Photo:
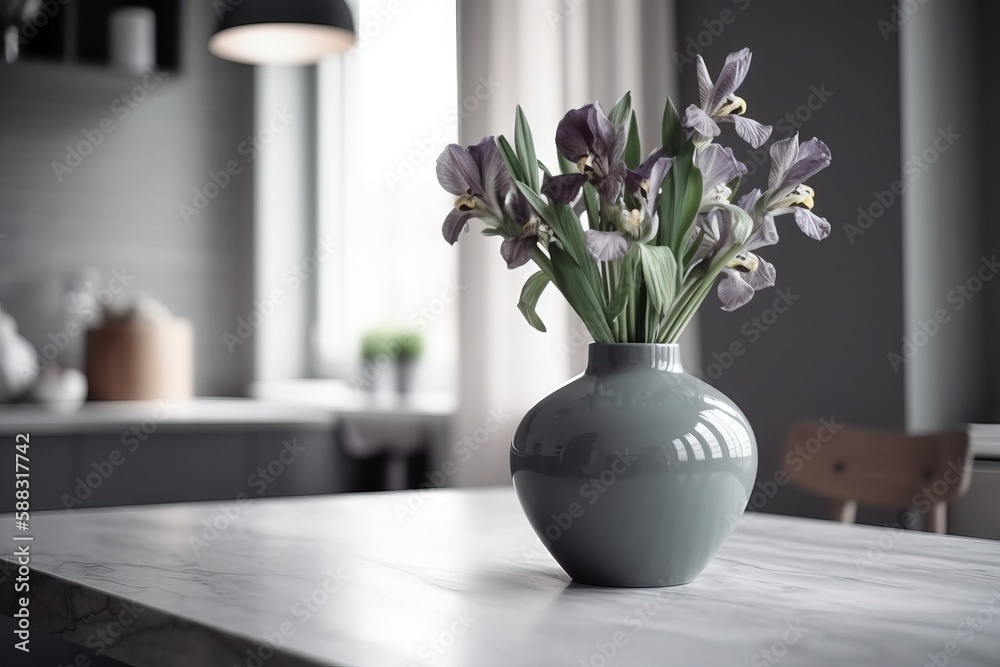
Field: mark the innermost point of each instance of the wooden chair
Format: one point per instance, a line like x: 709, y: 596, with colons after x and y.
x: 885, y: 469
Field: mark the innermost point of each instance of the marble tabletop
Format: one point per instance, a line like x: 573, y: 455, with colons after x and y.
x: 451, y: 577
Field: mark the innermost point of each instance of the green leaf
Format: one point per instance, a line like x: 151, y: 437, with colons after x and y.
x: 491, y: 231
x: 651, y: 321
x: 537, y: 202
x: 525, y: 144
x: 672, y: 131
x: 693, y: 246
x: 568, y: 232
x: 688, y: 205
x: 626, y: 283
x: 545, y: 170
x: 621, y: 111
x: 680, y: 200
x: 529, y: 299
x: 734, y: 187
x: 659, y: 270
x: 567, y: 167
x: 742, y: 223
x: 593, y: 201
x: 510, y: 159
x: 633, y: 150
x: 582, y: 298
x: 566, y: 227
x: 576, y: 245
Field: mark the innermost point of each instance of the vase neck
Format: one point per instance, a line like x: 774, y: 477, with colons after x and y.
x: 630, y: 356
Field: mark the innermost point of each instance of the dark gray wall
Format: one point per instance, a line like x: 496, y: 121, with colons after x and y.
x: 825, y: 356
x: 989, y: 59
x: 120, y: 207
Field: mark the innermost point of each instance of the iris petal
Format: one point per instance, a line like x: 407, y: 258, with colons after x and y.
x: 763, y: 277
x: 811, y: 158
x: 783, y: 156
x: 656, y: 176
x: 573, y: 134
x: 763, y: 236
x: 733, y: 290
x: 455, y: 224
x: 751, y: 131
x: 517, y: 252
x: 495, y: 178
x: 732, y: 75
x: 565, y: 188
x: 605, y: 246
x: 458, y: 172
x: 699, y: 121
x: 635, y: 177
x: 611, y: 185
x: 748, y: 201
x: 718, y: 166
x: 811, y: 224
x: 705, y: 85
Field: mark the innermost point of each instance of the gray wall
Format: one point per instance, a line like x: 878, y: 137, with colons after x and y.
x: 989, y: 59
x: 825, y: 356
x: 120, y: 206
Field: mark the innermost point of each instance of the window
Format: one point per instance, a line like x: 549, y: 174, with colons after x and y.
x: 386, y: 110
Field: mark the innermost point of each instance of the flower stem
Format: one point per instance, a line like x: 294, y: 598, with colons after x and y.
x: 544, y: 263
x: 680, y: 318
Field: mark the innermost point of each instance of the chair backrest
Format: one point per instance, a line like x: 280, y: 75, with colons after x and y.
x: 885, y: 469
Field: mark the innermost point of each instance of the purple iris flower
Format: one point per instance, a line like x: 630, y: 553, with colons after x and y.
x: 718, y: 167
x: 720, y: 104
x: 586, y: 137
x: 791, y: 165
x: 516, y: 250
x: 748, y: 272
x: 638, y: 224
x: 478, y: 178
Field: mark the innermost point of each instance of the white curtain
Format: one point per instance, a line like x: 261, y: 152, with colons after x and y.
x: 548, y: 56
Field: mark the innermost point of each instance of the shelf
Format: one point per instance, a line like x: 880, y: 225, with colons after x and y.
x: 79, y: 32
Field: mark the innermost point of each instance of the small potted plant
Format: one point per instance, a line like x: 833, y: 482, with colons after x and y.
x: 408, y: 345
x: 383, y: 349
x: 375, y: 358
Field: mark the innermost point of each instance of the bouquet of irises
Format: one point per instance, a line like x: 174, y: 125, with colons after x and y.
x: 659, y: 231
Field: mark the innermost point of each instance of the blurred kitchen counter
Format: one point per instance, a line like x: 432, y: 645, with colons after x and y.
x: 170, y: 415
x: 341, y: 397
x: 223, y: 449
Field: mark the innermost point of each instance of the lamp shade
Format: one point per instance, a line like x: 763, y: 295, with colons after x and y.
x: 283, y: 32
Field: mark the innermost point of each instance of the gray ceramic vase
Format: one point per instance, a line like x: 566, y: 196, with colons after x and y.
x: 634, y: 473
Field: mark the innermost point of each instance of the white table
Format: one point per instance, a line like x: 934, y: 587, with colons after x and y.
x: 457, y: 578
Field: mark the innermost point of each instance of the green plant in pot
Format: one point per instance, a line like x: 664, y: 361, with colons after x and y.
x: 634, y: 473
x: 410, y: 346
x: 383, y: 349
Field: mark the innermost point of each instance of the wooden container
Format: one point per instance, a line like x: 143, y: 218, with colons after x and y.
x: 140, y: 360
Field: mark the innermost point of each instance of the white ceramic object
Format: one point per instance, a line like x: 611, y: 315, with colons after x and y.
x: 133, y: 39
x: 18, y: 360
x: 138, y: 308
x: 60, y: 387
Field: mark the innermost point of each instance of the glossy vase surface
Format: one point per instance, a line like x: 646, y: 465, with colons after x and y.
x: 634, y: 473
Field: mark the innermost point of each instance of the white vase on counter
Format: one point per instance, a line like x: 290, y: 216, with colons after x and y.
x: 18, y: 360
